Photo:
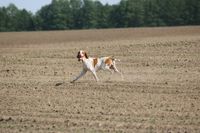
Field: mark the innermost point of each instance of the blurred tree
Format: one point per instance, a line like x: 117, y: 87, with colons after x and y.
x: 85, y: 14
x: 151, y: 13
x: 24, y: 21
x: 4, y: 19
x: 11, y: 21
x: 76, y: 22
x: 103, y: 14
x: 88, y: 14
x: 135, y: 13
x: 192, y: 12
x: 56, y: 16
x: 169, y: 11
x: 118, y: 15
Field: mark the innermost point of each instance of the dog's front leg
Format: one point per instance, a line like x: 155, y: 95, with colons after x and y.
x: 83, y: 72
x: 95, y: 75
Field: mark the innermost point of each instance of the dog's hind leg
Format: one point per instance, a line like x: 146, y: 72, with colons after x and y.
x: 116, y: 70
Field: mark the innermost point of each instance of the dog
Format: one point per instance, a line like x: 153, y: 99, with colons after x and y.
x: 95, y: 64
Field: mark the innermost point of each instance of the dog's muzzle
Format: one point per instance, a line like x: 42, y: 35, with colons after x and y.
x: 79, y: 57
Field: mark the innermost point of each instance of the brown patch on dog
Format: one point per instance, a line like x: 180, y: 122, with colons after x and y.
x: 109, y: 61
x: 86, y: 56
x: 95, y: 61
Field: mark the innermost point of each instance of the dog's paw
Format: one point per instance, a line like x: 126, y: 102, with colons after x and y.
x: 72, y: 81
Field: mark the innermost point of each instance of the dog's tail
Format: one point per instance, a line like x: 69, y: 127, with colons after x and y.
x: 115, y: 59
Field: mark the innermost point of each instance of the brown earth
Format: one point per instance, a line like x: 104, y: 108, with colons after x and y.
x: 160, y: 93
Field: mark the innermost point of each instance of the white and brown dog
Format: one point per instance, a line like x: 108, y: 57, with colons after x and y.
x: 95, y: 64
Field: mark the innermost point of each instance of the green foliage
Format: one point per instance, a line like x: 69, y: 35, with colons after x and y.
x: 13, y: 19
x: 86, y: 14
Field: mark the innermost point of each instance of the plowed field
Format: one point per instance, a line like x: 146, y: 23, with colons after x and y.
x: 160, y: 91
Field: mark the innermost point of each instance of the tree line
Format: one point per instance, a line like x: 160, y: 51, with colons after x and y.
x: 88, y: 14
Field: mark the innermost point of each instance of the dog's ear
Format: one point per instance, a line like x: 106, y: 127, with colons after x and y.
x: 86, y: 56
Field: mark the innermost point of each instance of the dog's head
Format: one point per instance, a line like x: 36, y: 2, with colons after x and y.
x: 81, y: 55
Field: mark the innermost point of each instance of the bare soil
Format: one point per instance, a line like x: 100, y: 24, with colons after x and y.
x: 160, y: 92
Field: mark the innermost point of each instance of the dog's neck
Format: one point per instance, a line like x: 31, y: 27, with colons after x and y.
x: 84, y: 59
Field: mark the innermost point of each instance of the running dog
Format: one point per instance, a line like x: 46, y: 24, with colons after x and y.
x: 95, y: 64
